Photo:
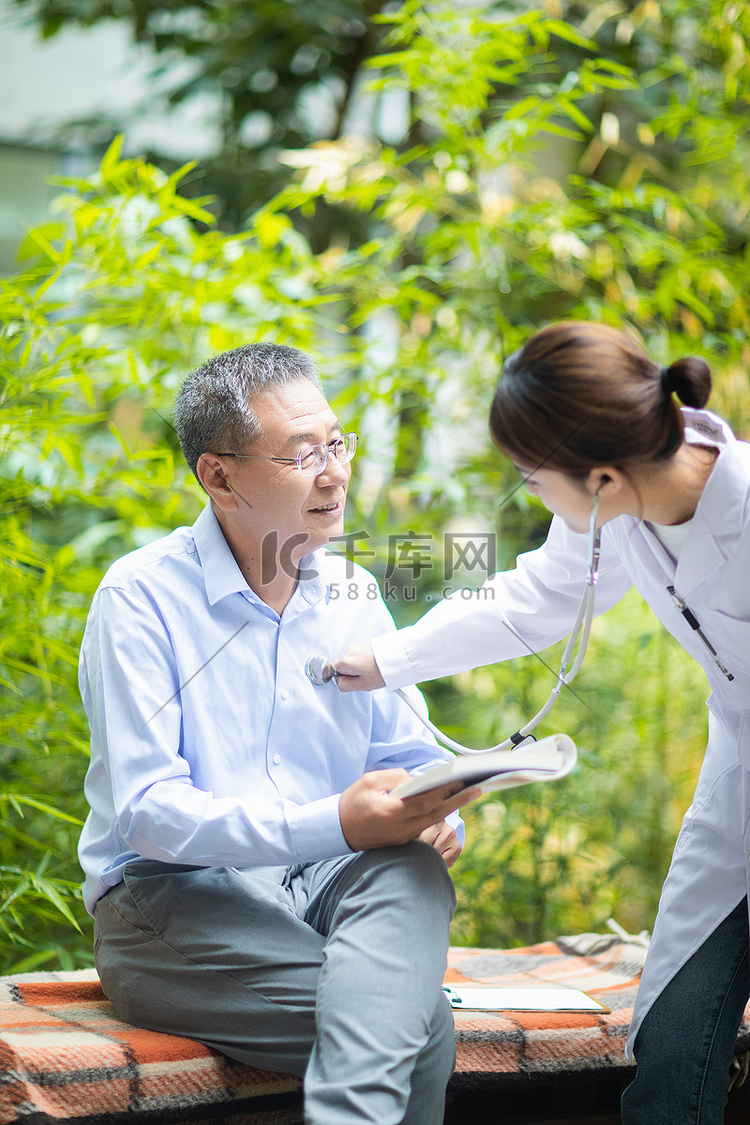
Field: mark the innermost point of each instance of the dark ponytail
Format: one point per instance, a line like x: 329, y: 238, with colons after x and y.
x: 580, y: 394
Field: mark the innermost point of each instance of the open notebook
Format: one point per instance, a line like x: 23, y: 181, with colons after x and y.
x: 549, y: 759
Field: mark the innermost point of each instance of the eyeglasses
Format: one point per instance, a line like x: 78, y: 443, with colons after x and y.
x: 313, y: 460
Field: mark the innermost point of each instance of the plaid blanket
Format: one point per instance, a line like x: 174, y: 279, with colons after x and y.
x: 524, y: 1048
x: 65, y: 1057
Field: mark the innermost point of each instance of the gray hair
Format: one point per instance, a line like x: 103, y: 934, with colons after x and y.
x: 214, y: 412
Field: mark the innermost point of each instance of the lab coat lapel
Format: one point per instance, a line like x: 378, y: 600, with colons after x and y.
x: 658, y: 550
x: 717, y: 522
x: 700, y: 557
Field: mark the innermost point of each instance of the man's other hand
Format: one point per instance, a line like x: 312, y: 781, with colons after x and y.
x: 371, y: 817
x: 443, y: 839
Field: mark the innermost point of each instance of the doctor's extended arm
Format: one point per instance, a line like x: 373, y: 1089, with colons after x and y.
x: 514, y: 613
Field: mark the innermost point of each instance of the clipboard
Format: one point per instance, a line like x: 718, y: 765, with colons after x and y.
x: 544, y: 998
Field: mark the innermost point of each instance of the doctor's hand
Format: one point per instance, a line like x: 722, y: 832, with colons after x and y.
x: 357, y: 670
x: 444, y: 840
x: 371, y: 817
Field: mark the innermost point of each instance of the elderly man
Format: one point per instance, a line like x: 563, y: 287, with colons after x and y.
x: 254, y: 882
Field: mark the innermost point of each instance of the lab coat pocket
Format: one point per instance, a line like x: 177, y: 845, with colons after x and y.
x: 720, y: 770
x: 719, y: 807
x: 730, y: 636
x: 736, y: 721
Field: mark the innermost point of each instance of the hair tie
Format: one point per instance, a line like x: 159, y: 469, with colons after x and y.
x: 666, y: 380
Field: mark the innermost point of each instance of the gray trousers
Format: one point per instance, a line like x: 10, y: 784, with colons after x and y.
x: 331, y: 971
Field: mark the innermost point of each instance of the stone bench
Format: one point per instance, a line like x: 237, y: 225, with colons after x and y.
x: 64, y: 1057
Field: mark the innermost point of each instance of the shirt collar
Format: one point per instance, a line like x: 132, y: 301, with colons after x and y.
x: 222, y: 576
x: 312, y: 584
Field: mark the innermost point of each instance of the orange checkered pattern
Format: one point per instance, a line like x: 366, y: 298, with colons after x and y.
x: 65, y: 1057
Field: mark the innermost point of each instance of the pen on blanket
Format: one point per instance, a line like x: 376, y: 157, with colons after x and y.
x: 692, y: 621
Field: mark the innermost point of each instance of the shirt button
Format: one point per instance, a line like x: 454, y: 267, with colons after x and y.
x: 285, y: 693
x: 276, y: 759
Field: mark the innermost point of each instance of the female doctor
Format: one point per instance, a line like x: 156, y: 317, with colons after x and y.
x: 590, y: 419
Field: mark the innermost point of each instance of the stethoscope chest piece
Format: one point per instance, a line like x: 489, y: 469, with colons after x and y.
x: 319, y: 669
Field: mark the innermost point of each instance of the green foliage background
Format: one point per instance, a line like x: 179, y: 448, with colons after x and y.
x: 590, y: 166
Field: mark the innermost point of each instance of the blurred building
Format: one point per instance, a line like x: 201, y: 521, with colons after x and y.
x: 59, y: 98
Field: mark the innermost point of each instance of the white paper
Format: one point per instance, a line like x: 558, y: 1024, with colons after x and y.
x: 547, y: 998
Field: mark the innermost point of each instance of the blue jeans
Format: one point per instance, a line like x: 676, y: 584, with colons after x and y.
x: 685, y: 1046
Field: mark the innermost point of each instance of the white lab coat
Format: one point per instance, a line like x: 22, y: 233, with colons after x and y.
x: 534, y: 605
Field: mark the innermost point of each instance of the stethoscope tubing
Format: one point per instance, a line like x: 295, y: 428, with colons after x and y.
x: 583, y: 623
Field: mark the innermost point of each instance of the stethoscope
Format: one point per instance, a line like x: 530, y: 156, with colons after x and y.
x: 321, y: 671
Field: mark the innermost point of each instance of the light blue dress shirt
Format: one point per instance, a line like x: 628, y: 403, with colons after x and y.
x: 209, y: 745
